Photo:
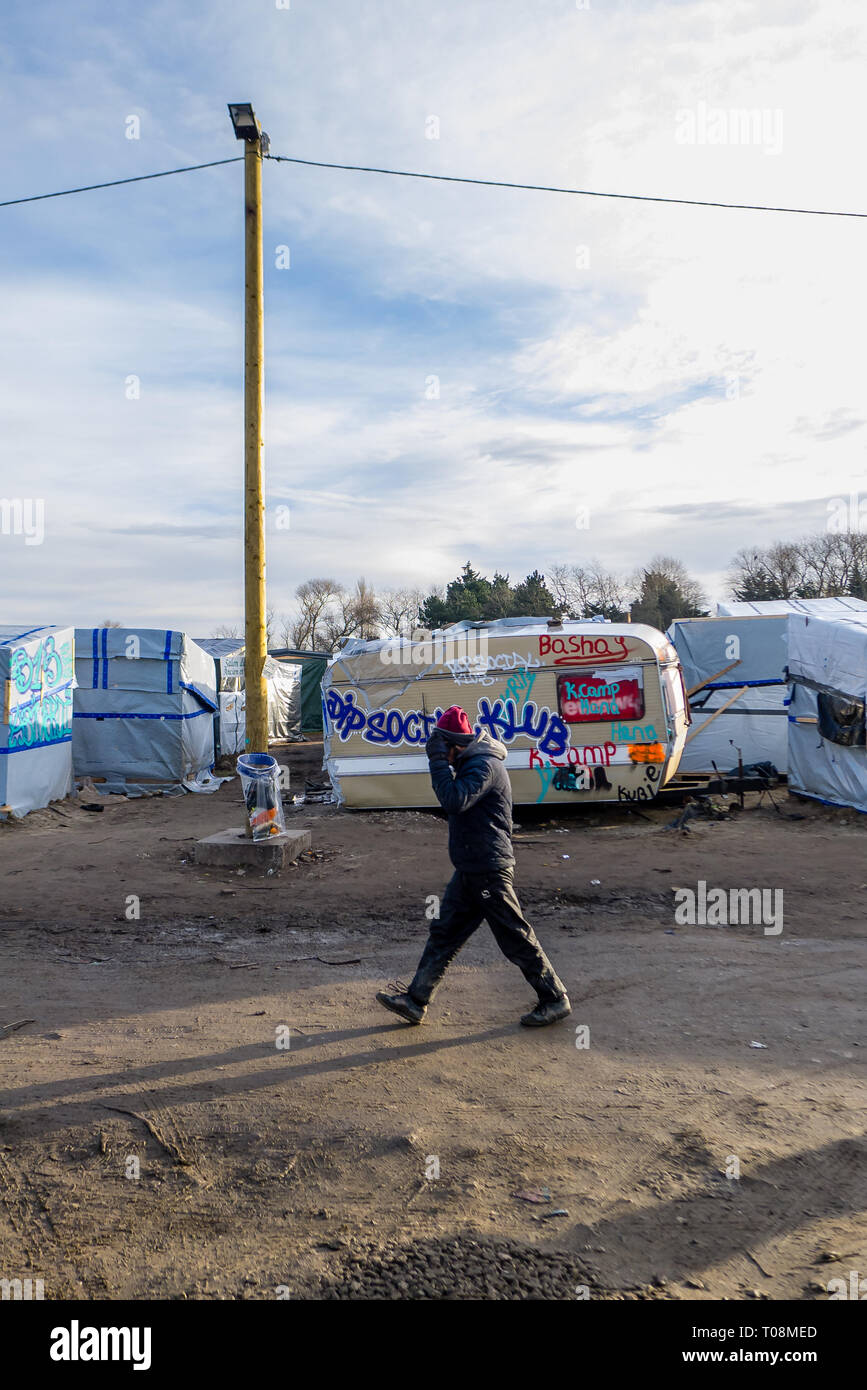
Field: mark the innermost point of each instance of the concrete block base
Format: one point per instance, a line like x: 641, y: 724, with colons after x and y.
x: 233, y: 849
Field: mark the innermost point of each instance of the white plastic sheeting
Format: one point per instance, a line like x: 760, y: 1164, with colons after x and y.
x: 283, y: 683
x: 755, y: 635
x: 284, y: 699
x: 779, y: 607
x: 756, y: 723
x: 143, y: 709
x: 830, y: 655
x: 37, y: 678
x: 233, y: 722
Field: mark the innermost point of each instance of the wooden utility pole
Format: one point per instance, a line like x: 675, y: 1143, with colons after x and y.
x: 255, y: 636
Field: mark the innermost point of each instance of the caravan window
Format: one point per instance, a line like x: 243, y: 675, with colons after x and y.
x: 596, y: 695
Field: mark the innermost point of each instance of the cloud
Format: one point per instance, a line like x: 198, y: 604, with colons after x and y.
x: 688, y: 378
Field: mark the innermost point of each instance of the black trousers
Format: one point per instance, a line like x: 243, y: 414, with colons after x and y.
x: 469, y: 900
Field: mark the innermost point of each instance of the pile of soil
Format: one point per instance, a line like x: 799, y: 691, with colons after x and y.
x: 458, y: 1268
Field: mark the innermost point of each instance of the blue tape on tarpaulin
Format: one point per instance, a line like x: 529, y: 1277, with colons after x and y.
x: 167, y: 658
x: 96, y: 658
x: 823, y: 801
x: 45, y: 743
x: 105, y: 658
x: 196, y: 714
x: 200, y: 695
x: 738, y: 685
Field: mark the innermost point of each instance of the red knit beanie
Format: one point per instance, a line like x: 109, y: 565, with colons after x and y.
x: 454, y: 722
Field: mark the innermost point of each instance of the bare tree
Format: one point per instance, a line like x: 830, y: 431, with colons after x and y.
x: 824, y: 565
x: 353, y: 613
x: 398, y: 611
x: 584, y: 591
x: 315, y: 599
x: 365, y: 610
x: 329, y: 613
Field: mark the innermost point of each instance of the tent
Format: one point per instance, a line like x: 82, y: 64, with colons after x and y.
x: 736, y: 663
x: 37, y: 677
x: 283, y: 681
x: 143, y: 707
x: 313, y: 666
x: 828, y: 670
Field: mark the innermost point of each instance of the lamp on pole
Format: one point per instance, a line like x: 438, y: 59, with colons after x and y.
x: 247, y: 128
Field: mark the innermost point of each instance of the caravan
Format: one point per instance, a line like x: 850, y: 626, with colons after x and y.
x: 588, y: 711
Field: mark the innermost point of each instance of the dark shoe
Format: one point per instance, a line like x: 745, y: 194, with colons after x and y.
x: 404, y: 1005
x: 543, y: 1014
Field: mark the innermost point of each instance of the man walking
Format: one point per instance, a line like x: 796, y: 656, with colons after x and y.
x: 478, y: 799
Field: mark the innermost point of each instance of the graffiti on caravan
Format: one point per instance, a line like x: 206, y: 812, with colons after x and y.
x: 391, y: 726
x: 475, y: 670
x: 503, y: 719
x: 574, y: 647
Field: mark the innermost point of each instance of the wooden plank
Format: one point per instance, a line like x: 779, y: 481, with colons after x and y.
x: 716, y: 675
x: 699, y: 728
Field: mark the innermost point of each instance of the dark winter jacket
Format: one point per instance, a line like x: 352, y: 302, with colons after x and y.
x: 478, y: 799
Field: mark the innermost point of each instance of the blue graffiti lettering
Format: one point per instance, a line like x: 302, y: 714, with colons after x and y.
x: 391, y: 727
x: 505, y: 720
x: 375, y: 731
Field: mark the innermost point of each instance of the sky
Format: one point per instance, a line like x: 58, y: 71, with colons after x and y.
x: 454, y: 373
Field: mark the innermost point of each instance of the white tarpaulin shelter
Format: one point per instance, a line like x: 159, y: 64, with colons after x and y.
x: 721, y: 656
x: 738, y: 661
x: 37, y: 676
x: 283, y: 682
x: 828, y: 670
x: 782, y: 607
x: 143, y: 708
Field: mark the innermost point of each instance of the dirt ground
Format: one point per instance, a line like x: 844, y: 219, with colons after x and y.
x: 311, y: 1170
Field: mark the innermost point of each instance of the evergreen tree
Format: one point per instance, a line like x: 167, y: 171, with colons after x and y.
x: 533, y: 598
x: 666, y: 592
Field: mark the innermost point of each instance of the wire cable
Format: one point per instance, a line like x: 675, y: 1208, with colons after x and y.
x: 441, y: 178
x: 548, y: 188
x: 114, y: 183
